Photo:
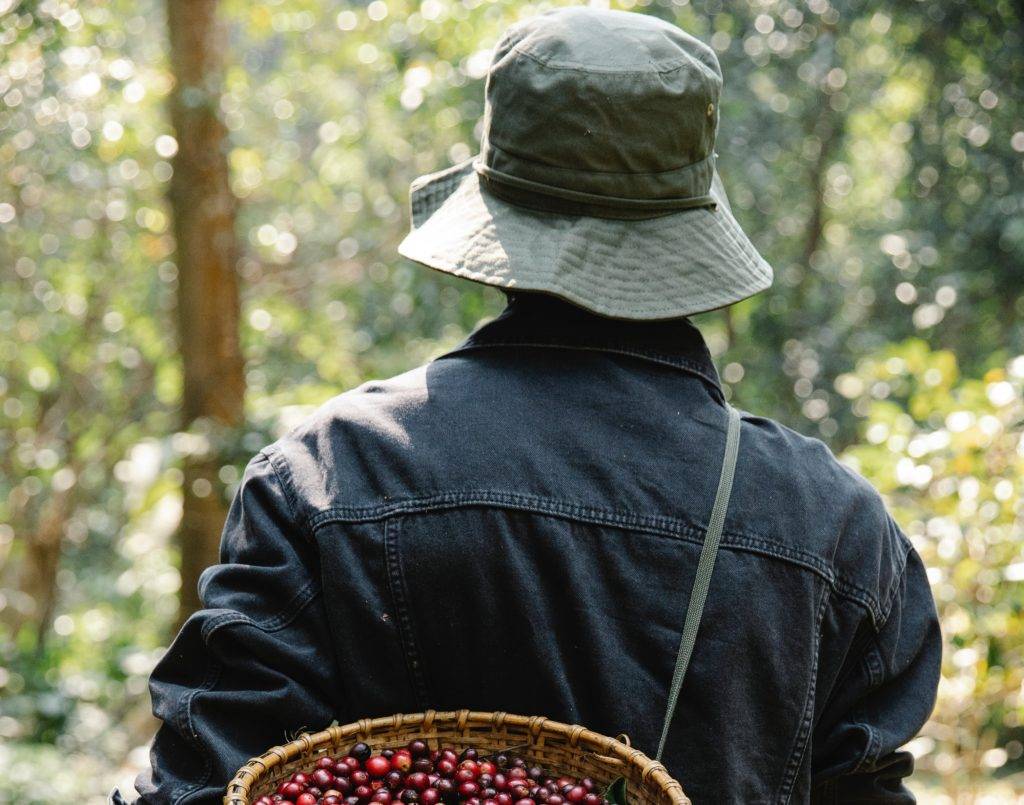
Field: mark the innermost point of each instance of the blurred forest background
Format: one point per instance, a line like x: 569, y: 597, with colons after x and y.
x: 198, y: 226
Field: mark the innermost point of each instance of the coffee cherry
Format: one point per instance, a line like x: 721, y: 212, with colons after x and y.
x: 592, y: 799
x: 464, y: 775
x: 388, y: 753
x: 417, y: 781
x: 351, y: 800
x: 290, y: 790
x: 378, y: 766
x: 359, y: 778
x: 381, y: 795
x: 445, y: 768
x: 488, y: 767
x: 469, y: 754
x: 556, y: 799
x: 449, y: 755
x: 343, y: 785
x: 430, y: 797
x: 402, y: 760
x: 468, y: 789
x: 323, y: 778
x: 422, y: 764
x: 394, y: 780
x: 419, y: 749
x: 502, y: 798
x: 360, y: 751
x: 364, y: 792
x: 501, y: 760
x: 324, y: 762
x: 352, y: 763
x: 306, y: 799
x: 576, y: 793
x: 409, y: 795
x: 517, y: 773
x: 525, y: 802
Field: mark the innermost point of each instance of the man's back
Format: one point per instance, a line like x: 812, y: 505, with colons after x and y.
x: 516, y: 526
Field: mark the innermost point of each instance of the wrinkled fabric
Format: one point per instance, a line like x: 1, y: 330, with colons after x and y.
x: 596, y: 168
x: 516, y: 526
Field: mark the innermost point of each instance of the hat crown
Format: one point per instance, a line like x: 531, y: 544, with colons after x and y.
x: 607, y: 103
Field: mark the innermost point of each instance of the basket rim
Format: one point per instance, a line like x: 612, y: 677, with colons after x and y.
x: 610, y: 749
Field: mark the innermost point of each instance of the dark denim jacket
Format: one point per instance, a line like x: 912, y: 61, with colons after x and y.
x: 516, y: 526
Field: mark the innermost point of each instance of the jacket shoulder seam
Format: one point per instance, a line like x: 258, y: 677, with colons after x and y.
x: 657, y: 524
x: 283, y: 473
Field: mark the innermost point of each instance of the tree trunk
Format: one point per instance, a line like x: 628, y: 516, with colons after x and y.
x: 203, y: 208
x: 36, y: 575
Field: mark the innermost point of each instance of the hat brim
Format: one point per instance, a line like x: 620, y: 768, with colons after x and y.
x: 674, y: 265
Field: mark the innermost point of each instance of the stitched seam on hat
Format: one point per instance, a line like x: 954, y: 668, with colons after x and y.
x: 708, y: 297
x: 693, y: 165
x: 713, y: 296
x: 670, y: 65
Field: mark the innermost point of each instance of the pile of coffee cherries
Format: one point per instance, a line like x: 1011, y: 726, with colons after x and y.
x: 417, y: 775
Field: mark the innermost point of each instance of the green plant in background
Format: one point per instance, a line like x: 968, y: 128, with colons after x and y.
x: 947, y: 452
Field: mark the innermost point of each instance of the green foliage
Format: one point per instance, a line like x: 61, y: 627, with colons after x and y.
x: 872, y: 150
x: 948, y: 454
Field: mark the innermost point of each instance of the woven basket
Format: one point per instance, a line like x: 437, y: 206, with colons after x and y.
x: 559, y: 748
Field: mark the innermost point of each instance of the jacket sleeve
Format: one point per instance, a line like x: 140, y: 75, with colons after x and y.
x: 884, y: 694
x: 254, y: 666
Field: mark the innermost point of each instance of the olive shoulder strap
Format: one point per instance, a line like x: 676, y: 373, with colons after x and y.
x: 705, y: 566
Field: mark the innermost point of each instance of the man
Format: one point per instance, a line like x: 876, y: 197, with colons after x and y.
x: 526, y: 523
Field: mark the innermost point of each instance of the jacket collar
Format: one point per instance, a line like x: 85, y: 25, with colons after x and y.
x: 537, y: 319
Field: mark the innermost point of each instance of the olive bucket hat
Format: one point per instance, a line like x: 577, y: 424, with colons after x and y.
x: 596, y: 175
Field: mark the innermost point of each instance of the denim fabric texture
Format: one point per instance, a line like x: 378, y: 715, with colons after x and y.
x: 516, y: 526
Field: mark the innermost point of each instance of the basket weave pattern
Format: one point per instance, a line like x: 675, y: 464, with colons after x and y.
x: 559, y: 748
